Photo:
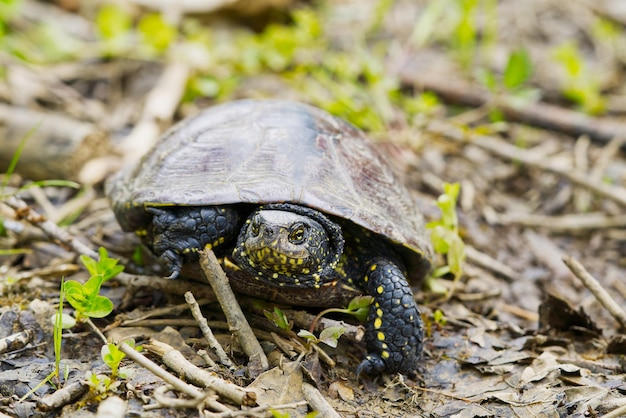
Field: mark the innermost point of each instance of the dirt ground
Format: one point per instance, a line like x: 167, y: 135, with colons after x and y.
x: 521, y: 102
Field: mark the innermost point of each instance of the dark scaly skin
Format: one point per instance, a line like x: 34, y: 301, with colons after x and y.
x: 178, y: 233
x: 294, y: 247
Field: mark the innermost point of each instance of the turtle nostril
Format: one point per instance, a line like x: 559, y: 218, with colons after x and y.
x: 268, y: 231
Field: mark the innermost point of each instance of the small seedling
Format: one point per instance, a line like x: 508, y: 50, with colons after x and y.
x: 329, y: 336
x: 279, y: 319
x: 579, y: 84
x: 444, y: 234
x: 85, y: 298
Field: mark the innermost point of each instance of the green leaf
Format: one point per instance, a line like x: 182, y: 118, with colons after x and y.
x: 92, y: 286
x: 112, y: 356
x: 156, y: 32
x: 330, y: 335
x: 518, y: 70
x: 307, y: 335
x: 75, y: 295
x: 439, y: 317
x: 360, y: 302
x: 100, y: 307
x: 278, y: 318
x: 112, y: 22
x: 359, y: 307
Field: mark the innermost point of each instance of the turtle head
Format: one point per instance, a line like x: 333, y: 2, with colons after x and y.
x: 290, y: 245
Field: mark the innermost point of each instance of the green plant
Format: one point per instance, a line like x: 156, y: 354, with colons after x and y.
x: 445, y: 237
x: 579, y: 83
x: 329, y: 336
x: 85, y: 298
x: 357, y: 307
x: 278, y: 317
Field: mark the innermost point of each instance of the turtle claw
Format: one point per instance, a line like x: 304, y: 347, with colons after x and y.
x: 172, y: 263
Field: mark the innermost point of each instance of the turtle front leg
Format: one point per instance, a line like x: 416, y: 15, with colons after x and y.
x: 178, y: 233
x: 394, y: 329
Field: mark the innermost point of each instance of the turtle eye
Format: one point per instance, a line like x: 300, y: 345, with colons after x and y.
x: 298, y: 233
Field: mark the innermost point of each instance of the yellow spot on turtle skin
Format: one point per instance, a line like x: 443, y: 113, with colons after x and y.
x: 305, y: 271
x: 379, y: 313
x: 365, y: 279
x: 317, y: 286
x: 411, y: 319
x: 384, y: 346
x: 141, y: 232
x: 374, y: 267
x: 275, y: 276
x: 300, y: 261
x: 380, y: 290
x: 378, y: 323
x: 380, y: 336
x: 377, y: 305
x: 384, y: 354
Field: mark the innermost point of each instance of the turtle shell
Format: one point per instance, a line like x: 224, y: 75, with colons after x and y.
x: 268, y: 151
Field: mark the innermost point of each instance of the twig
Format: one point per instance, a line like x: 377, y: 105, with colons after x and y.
x: 16, y: 341
x: 531, y: 159
x: 616, y: 413
x: 66, y: 395
x: 206, y: 330
x: 259, y: 410
x: 146, y: 363
x: 596, y: 288
x: 318, y: 402
x: 487, y: 262
x: 159, y: 107
x: 130, y: 318
x: 234, y: 315
x: 175, y: 360
x: 50, y: 228
x: 205, y: 356
x: 572, y: 222
x: 537, y: 114
x: 170, y: 287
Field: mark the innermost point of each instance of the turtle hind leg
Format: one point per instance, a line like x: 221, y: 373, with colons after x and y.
x: 394, y: 329
x: 179, y: 232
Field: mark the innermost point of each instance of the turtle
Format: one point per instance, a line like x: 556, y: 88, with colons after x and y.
x: 301, y: 206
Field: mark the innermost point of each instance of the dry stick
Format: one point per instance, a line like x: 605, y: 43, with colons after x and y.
x: 616, y: 413
x: 159, y: 106
x: 571, y: 222
x: 175, y: 360
x: 146, y: 363
x: 317, y: 401
x: 50, y: 228
x: 596, y: 288
x: 536, y: 114
x: 503, y: 149
x: 206, y: 330
x: 236, y: 320
x: 53, y: 231
x: 489, y: 263
x: 66, y: 395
